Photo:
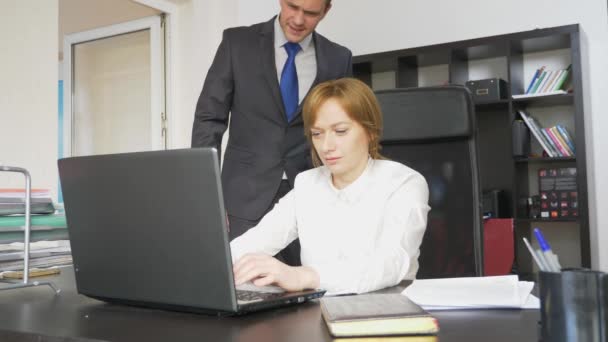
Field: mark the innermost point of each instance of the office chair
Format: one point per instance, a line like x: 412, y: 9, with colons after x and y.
x: 433, y: 131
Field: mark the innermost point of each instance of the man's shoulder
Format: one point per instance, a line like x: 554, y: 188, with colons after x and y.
x: 324, y: 42
x: 244, y: 31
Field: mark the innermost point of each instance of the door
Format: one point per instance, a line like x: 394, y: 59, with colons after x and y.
x: 114, y: 89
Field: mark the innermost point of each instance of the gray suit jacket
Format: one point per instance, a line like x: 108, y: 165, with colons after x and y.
x: 243, y: 81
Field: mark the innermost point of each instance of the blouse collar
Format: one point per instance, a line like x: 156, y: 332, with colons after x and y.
x: 352, y: 192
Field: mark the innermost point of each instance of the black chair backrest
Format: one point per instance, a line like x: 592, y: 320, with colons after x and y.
x: 432, y: 130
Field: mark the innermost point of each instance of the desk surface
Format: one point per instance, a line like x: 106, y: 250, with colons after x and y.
x: 37, y: 310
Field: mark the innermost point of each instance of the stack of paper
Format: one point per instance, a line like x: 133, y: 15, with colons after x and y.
x: 42, y: 254
x: 472, y: 293
x: 12, y: 201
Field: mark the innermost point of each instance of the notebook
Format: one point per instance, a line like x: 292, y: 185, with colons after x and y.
x: 149, y: 229
x: 376, y: 315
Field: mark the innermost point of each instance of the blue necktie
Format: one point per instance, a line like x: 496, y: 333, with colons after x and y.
x: 289, y: 80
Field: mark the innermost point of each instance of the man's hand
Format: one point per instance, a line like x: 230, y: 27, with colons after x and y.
x: 264, y: 270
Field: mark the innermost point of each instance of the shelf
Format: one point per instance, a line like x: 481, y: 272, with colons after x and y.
x: 544, y: 159
x: 500, y: 104
x: 541, y: 220
x: 511, y: 57
x: 484, y: 51
x: 546, y: 100
x: 544, y: 43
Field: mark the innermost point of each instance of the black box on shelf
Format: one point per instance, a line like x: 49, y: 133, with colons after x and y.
x: 494, y: 204
x: 520, y: 138
x: 558, y: 192
x: 491, y: 89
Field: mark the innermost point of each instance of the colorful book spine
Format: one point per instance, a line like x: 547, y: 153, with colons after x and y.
x: 556, y: 143
x: 560, y: 83
x: 551, y: 86
x: 550, y: 143
x: 567, y: 138
x: 536, y: 132
x: 547, y: 87
x: 534, y: 78
x: 538, y: 82
x: 541, y: 88
x: 562, y: 141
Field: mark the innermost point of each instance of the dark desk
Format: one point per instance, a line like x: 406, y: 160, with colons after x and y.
x: 37, y: 310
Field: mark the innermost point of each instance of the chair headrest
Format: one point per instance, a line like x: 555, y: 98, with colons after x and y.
x: 414, y: 114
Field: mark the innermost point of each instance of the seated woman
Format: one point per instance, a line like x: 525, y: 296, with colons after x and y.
x: 360, y: 218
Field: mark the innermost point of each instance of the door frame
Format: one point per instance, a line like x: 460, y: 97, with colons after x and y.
x: 157, y: 82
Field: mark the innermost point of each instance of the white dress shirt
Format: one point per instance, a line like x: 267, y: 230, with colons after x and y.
x: 359, y: 239
x: 306, y: 60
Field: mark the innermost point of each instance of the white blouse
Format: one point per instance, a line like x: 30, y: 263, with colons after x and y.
x: 358, y: 239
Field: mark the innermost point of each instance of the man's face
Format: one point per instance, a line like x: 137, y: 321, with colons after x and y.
x: 299, y: 18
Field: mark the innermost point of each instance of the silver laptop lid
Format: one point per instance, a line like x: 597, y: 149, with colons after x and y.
x: 149, y: 227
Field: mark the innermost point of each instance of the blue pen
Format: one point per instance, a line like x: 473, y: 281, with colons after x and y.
x: 550, y: 257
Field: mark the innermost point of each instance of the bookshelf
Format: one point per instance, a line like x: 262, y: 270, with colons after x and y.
x: 513, y: 57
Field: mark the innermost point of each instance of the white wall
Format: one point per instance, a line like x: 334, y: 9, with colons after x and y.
x: 199, y: 31
x: 28, y: 91
x: 367, y: 27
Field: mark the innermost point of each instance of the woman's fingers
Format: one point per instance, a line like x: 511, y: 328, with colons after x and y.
x: 265, y: 280
x: 252, y: 266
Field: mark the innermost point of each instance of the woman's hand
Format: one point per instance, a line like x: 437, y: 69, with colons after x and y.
x: 264, y: 270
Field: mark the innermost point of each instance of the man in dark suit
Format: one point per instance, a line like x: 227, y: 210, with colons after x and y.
x: 259, y: 78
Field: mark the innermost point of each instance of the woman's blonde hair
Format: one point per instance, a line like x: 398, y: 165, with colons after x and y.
x: 357, y: 100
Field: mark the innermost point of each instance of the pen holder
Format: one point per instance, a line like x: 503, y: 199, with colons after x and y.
x: 574, y: 305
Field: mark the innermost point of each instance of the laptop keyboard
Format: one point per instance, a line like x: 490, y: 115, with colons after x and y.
x: 251, y: 296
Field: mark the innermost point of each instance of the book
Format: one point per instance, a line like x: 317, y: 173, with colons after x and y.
x: 542, y: 86
x: 562, y: 80
x: 567, y: 138
x: 556, y: 143
x: 551, y: 85
x: 538, y: 82
x: 550, y: 81
x: 562, y: 141
x: 534, y: 78
x: 534, y: 128
x: 376, y: 315
x: 554, y: 150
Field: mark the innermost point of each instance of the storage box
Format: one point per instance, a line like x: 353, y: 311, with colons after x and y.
x: 491, y: 89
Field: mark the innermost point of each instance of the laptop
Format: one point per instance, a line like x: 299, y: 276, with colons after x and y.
x: 149, y: 229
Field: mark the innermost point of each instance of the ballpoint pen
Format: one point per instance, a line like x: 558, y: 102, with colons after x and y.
x: 550, y: 257
x: 539, y: 262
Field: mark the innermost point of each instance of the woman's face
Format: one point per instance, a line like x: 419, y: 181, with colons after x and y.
x: 341, y: 143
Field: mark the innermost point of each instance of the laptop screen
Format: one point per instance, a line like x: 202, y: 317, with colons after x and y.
x: 149, y: 227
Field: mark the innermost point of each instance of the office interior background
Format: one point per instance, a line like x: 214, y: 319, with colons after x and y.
x: 32, y: 37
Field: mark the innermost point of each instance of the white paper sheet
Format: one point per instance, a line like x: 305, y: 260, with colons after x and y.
x: 472, y: 293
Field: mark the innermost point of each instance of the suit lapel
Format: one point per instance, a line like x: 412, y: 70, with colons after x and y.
x: 322, y: 71
x: 269, y: 65
x: 322, y: 60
